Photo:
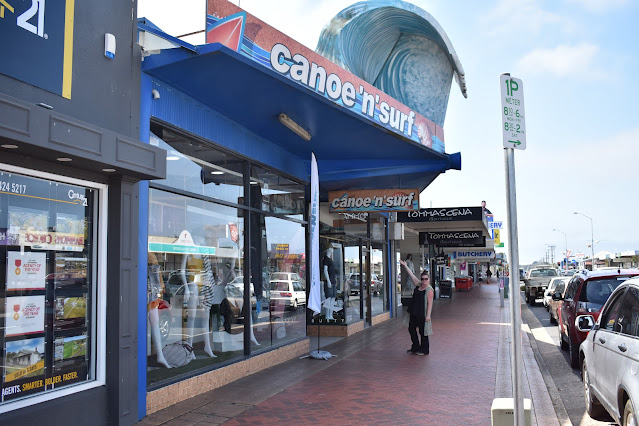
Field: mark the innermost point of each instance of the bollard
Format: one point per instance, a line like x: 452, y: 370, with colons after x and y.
x: 506, y: 286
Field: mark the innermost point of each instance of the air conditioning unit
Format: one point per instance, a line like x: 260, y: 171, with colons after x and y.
x: 502, y: 412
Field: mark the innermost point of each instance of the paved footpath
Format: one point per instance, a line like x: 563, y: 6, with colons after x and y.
x: 373, y: 381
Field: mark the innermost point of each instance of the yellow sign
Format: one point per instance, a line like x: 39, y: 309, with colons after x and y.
x: 496, y: 236
x: 25, y: 371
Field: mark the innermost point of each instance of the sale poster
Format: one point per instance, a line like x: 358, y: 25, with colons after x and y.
x: 25, y: 358
x: 24, y: 315
x: 26, y: 271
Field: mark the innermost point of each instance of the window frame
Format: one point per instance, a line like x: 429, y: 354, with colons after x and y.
x: 100, y: 214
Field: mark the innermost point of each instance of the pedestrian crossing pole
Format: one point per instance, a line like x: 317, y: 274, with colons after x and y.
x: 514, y: 137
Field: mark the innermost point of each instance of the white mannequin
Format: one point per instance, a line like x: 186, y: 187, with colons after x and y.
x: 328, y: 304
x: 152, y: 310
x: 191, y: 299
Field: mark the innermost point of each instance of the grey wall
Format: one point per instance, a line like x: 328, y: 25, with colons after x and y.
x: 104, y: 92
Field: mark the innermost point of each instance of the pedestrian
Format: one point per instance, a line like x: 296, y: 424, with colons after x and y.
x: 489, y: 274
x: 419, y: 310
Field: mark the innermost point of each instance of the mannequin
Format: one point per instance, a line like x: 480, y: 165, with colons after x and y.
x: 224, y: 306
x: 156, y: 287
x: 192, y: 297
x: 330, y: 285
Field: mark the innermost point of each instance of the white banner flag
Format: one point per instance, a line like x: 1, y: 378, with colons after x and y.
x: 315, y: 295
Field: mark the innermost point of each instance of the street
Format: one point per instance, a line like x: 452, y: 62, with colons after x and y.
x: 566, y: 379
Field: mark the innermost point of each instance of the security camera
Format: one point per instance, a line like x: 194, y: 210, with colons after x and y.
x: 155, y: 93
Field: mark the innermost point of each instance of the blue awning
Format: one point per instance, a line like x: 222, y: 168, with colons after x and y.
x: 352, y: 152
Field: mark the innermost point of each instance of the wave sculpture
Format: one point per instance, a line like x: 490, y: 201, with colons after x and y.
x: 398, y: 48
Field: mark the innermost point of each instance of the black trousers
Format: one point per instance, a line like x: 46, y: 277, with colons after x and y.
x: 415, y: 326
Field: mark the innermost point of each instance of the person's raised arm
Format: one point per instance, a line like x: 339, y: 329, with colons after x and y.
x: 416, y: 280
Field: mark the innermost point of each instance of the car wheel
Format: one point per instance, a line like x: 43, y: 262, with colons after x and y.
x: 629, y: 417
x: 562, y: 341
x: 531, y: 301
x: 593, y: 406
x: 573, y: 353
x: 552, y: 319
x: 527, y: 298
x: 294, y: 304
x: 165, y: 326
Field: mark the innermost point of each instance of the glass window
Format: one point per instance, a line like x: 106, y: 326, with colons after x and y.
x: 198, y: 167
x: 609, y: 316
x: 598, y: 291
x: 628, y: 321
x: 48, y: 287
x: 274, y: 193
x: 195, y: 285
x: 278, y: 258
x: 572, y: 288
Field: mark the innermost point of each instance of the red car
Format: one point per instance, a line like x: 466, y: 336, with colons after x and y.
x: 586, y: 293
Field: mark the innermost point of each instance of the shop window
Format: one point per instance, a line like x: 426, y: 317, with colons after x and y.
x: 48, y: 285
x: 195, y: 286
x: 199, y: 168
x: 274, y: 193
x: 278, y: 257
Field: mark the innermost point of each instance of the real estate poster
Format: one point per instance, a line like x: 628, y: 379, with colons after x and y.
x: 24, y: 315
x: 68, y: 348
x: 24, y: 368
x: 24, y: 358
x: 70, y: 232
x: 28, y: 227
x: 26, y: 271
x: 70, y: 312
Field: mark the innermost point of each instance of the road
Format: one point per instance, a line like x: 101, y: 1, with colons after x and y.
x: 566, y: 379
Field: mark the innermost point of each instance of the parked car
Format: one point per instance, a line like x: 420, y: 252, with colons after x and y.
x: 586, y: 293
x: 554, y: 305
x: 568, y: 272
x: 287, y: 294
x: 536, y: 282
x: 608, y: 356
x: 551, y: 289
x: 354, y: 280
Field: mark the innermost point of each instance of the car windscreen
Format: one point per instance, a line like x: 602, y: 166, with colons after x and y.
x: 279, y: 286
x: 543, y: 273
x: 598, y: 291
x: 279, y: 276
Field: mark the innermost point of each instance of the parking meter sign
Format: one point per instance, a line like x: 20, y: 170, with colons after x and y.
x: 512, y: 112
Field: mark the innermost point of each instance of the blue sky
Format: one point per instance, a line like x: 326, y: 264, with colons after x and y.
x: 578, y: 60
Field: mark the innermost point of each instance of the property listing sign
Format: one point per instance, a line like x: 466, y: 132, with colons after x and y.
x: 26, y: 271
x: 231, y: 26
x: 24, y: 315
x: 373, y: 200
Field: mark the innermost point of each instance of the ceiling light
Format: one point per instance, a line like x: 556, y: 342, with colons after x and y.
x: 108, y: 170
x: 217, y: 172
x: 172, y: 158
x: 64, y: 159
x: 294, y: 127
x: 9, y: 146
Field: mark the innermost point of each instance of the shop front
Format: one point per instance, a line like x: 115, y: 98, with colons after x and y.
x: 71, y: 163
x: 443, y: 239
x: 227, y: 230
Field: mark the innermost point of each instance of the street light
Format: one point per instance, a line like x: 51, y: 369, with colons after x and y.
x: 566, y: 240
x: 592, y: 239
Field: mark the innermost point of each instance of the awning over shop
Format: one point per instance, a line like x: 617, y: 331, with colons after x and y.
x: 352, y: 152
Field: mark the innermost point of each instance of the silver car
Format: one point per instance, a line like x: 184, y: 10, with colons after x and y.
x: 610, y: 356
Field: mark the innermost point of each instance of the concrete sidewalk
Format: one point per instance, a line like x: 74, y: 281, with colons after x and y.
x: 372, y: 380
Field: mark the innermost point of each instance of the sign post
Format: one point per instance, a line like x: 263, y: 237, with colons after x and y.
x: 514, y: 136
x: 512, y: 112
